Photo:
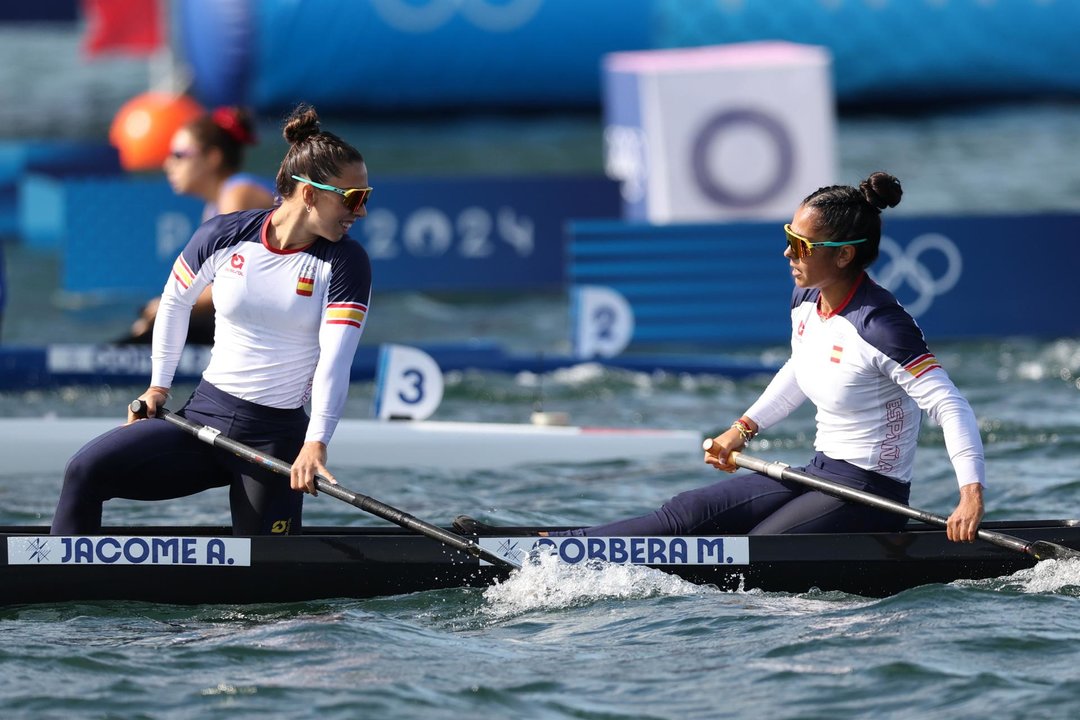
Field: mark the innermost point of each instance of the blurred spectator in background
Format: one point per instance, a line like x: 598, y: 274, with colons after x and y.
x: 205, y: 160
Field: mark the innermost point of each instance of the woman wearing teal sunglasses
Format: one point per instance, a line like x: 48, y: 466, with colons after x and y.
x: 859, y: 357
x: 291, y: 292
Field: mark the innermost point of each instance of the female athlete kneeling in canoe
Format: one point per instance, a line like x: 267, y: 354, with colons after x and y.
x: 291, y: 292
x: 860, y: 358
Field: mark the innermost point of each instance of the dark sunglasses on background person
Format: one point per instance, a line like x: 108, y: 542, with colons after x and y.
x: 803, y: 247
x: 354, y: 198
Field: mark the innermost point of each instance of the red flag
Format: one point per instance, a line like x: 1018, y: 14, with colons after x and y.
x: 129, y: 27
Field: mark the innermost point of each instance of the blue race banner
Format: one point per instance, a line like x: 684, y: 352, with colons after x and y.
x: 121, y: 235
x: 984, y: 276
x: 45, y: 159
x: 717, y: 285
x: 478, y: 234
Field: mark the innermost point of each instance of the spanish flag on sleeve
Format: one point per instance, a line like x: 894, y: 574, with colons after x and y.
x: 922, y: 364
x: 182, y: 272
x: 346, y: 314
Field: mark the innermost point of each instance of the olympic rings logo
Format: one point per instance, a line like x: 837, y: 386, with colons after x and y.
x: 772, y: 130
x: 424, y: 17
x: 905, y: 268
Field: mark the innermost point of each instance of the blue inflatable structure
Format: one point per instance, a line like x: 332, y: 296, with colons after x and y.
x: 393, y: 55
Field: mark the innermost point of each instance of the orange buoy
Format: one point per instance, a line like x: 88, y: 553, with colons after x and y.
x: 143, y: 127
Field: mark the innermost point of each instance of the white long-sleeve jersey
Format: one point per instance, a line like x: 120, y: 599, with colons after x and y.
x: 869, y: 372
x: 287, y: 323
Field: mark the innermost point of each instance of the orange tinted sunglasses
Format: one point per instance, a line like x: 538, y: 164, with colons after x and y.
x: 803, y: 247
x: 354, y: 198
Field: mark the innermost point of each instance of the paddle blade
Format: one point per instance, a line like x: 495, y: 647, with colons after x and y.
x: 1043, y: 550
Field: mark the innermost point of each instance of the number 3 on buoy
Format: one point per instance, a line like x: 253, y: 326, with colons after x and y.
x: 408, y: 384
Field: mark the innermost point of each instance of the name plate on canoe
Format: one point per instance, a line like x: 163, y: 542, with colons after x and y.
x: 129, y: 550
x: 674, y: 550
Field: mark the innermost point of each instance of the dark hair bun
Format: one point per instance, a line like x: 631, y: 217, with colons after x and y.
x: 881, y: 190
x: 302, y: 124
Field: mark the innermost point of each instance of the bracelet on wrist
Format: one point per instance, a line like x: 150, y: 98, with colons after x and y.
x: 743, y: 428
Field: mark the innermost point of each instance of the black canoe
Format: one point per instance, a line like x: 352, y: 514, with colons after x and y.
x: 189, y: 565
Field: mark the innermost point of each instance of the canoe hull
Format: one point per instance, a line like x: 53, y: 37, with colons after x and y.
x: 281, y: 570
x: 329, y: 563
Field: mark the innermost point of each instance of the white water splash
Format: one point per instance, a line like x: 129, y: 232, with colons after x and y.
x: 227, y: 689
x: 550, y: 584
x: 583, y: 373
x: 1048, y: 576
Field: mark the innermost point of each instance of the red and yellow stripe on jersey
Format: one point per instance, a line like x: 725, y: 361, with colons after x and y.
x: 346, y: 314
x: 182, y: 272
x: 870, y: 375
x: 922, y: 365
x: 287, y: 322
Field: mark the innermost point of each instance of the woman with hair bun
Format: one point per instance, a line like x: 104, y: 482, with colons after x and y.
x: 205, y: 160
x: 859, y: 357
x: 291, y: 292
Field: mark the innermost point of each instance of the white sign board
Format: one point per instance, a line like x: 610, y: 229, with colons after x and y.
x: 735, y: 132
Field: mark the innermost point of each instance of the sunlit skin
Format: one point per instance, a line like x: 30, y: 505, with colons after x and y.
x: 830, y: 270
x: 292, y: 227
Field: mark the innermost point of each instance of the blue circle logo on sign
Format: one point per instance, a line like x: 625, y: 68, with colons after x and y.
x: 722, y: 192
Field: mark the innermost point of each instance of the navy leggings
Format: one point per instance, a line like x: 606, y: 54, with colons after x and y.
x: 755, y: 504
x: 155, y: 460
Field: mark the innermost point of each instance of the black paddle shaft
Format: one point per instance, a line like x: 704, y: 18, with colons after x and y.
x: 367, y: 504
x: 1040, y: 549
